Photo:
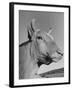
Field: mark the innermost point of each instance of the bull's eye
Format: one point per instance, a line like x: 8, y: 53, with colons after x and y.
x: 39, y: 37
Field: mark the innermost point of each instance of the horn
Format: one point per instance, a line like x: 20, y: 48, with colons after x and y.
x: 50, y: 35
x: 33, y: 24
x: 50, y: 30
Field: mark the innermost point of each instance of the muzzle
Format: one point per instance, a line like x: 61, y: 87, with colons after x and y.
x: 44, y: 59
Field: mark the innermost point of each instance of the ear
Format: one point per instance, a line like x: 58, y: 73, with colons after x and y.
x: 31, y: 29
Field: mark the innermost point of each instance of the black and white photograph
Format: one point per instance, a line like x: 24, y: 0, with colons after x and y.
x: 40, y: 42
x: 41, y: 46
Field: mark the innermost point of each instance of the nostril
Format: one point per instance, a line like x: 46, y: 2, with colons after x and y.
x: 60, y: 53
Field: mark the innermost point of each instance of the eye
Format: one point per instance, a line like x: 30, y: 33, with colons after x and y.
x: 39, y: 37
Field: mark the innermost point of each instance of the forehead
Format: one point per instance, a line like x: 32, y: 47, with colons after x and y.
x: 45, y: 35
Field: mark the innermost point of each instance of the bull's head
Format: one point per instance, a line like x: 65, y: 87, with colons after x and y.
x: 43, y: 48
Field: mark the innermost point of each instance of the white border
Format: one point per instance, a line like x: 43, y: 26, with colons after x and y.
x: 16, y: 46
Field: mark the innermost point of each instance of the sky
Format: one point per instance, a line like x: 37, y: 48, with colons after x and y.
x: 44, y: 20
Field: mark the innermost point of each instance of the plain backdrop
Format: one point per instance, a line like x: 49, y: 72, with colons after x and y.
x: 4, y: 44
x: 43, y: 21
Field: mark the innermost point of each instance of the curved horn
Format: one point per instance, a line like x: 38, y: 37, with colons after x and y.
x: 50, y: 30
x: 33, y: 24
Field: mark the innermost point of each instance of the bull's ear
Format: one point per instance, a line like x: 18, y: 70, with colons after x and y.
x: 31, y: 29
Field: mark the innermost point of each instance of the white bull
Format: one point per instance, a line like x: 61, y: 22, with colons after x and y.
x: 40, y: 49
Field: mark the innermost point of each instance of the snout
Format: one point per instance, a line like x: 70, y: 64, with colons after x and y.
x: 48, y: 59
x: 45, y: 59
x: 58, y: 55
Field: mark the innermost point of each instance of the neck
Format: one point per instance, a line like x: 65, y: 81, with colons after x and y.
x: 30, y: 66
